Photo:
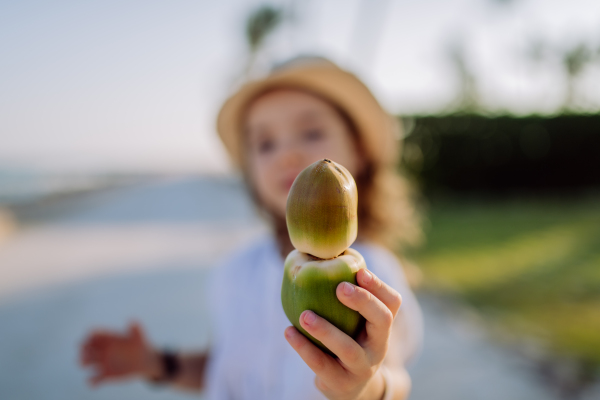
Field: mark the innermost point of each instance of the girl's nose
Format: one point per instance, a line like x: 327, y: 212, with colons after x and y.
x: 290, y: 155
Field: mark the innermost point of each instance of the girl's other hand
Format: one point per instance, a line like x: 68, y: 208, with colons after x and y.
x: 116, y: 356
x: 355, y: 373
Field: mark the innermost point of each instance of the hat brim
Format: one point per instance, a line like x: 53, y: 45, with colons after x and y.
x: 377, y: 130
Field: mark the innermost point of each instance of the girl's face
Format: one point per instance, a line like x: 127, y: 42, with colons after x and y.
x: 286, y: 131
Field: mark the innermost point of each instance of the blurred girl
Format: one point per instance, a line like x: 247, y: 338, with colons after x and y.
x: 305, y: 110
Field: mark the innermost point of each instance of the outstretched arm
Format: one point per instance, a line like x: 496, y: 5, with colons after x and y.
x: 117, y: 356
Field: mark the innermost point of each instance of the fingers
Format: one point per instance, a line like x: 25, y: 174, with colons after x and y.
x: 95, y: 347
x: 91, y: 349
x: 113, y: 355
x: 349, y: 352
x: 374, y: 310
x: 105, y: 366
x: 378, y: 303
x: 95, y: 357
x: 379, y: 289
x: 322, y: 364
x: 98, y: 341
x: 89, y: 356
x: 379, y: 318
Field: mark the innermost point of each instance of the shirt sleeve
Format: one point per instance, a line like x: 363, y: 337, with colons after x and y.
x: 220, y: 295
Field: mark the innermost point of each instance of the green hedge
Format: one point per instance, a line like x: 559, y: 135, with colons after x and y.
x: 503, y: 155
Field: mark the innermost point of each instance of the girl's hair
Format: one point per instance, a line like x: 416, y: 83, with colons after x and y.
x: 386, y: 211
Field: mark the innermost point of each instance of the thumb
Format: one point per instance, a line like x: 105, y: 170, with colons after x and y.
x: 136, y: 332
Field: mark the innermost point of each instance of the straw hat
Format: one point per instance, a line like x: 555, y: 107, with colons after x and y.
x: 377, y: 130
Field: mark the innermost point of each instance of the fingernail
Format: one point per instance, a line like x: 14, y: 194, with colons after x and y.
x: 309, y: 317
x: 367, y: 277
x: 347, y: 288
x: 289, y: 333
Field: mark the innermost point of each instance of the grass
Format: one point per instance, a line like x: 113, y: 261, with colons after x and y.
x: 529, y: 267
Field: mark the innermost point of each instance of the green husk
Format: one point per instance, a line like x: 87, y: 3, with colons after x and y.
x: 321, y: 211
x: 310, y: 283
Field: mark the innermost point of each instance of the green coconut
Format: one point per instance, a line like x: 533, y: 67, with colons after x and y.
x: 321, y: 212
x: 310, y: 283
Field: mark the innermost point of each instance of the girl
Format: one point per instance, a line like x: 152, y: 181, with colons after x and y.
x: 305, y: 110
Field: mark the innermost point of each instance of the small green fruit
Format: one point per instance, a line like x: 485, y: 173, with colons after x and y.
x: 321, y: 210
x: 310, y: 283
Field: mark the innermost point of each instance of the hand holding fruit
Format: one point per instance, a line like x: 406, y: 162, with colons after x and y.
x: 320, y: 295
x: 354, y: 374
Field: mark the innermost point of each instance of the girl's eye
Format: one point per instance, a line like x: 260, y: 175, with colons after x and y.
x: 313, y: 135
x: 265, y: 146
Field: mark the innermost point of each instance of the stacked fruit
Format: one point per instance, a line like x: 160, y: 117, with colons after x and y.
x: 321, y: 217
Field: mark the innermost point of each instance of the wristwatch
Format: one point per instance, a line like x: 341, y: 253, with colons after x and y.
x: 170, y: 366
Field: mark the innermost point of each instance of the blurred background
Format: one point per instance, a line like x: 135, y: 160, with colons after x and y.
x: 116, y: 197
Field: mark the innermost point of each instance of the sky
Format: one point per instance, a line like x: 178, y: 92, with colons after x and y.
x: 135, y: 85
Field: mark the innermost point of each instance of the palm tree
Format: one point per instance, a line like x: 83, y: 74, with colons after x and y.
x: 260, y: 23
x: 574, y: 61
x: 468, y: 97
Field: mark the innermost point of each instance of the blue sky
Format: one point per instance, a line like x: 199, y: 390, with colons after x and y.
x: 135, y: 85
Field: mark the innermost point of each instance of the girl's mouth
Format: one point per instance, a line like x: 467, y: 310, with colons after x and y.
x: 287, y: 183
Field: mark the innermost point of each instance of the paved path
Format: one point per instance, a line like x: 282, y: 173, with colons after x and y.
x: 153, y: 237
x: 122, y: 230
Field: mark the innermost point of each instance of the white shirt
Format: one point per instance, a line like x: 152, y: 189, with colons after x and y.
x: 249, y: 357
